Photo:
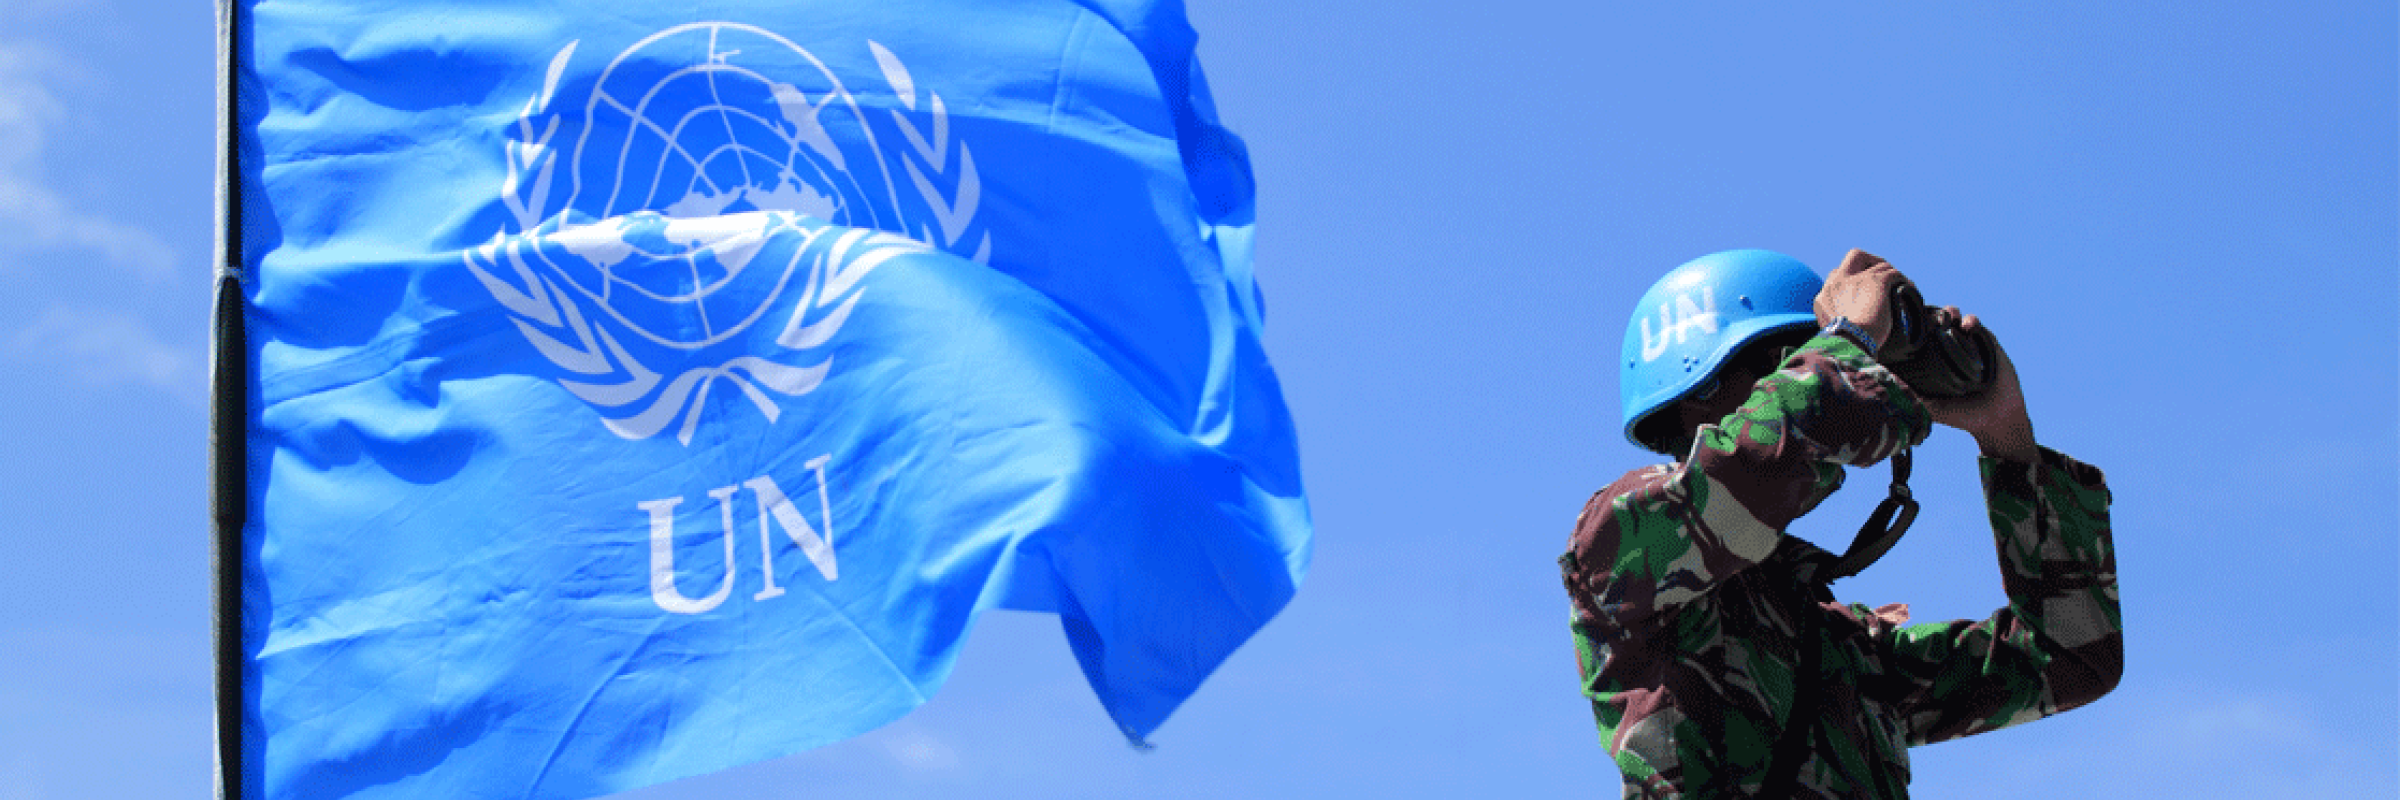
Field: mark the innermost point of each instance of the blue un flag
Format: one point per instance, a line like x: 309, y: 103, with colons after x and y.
x: 641, y: 392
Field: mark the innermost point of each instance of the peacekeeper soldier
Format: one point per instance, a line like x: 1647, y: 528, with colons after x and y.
x: 1717, y: 663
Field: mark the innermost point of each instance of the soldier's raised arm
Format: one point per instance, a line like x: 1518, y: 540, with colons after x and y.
x: 2058, y: 643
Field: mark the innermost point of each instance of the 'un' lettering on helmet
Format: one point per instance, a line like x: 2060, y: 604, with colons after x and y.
x: 1676, y: 319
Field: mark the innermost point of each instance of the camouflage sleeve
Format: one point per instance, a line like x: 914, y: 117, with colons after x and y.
x: 1663, y: 535
x: 2057, y: 645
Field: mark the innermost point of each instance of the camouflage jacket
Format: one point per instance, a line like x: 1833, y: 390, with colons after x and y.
x: 1689, y: 600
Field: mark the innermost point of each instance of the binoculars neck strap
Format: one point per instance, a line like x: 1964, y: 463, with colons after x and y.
x: 1883, y: 528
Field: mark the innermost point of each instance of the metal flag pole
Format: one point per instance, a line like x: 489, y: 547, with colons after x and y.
x: 229, y: 380
x: 227, y: 456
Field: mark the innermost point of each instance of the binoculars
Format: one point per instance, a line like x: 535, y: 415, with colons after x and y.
x: 1932, y: 354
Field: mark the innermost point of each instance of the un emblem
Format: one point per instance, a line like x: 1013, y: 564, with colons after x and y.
x: 690, y: 196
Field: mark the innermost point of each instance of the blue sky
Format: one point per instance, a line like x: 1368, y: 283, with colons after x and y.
x: 2180, y: 219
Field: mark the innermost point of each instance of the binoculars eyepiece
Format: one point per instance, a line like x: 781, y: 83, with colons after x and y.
x: 1932, y: 354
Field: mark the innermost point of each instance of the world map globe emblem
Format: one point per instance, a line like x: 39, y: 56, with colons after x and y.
x: 681, y: 282
x: 687, y: 202
x: 691, y: 134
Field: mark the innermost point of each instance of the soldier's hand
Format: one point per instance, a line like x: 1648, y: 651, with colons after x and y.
x: 1861, y: 291
x: 1996, y: 417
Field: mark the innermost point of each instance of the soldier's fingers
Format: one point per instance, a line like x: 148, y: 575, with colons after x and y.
x: 1857, y: 261
x: 1971, y: 322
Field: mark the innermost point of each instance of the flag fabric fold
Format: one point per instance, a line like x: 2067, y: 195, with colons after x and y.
x: 639, y: 395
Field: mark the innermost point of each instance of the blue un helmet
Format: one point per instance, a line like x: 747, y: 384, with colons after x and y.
x: 1699, y: 315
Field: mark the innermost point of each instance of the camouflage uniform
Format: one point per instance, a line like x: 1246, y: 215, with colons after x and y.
x: 1690, y: 604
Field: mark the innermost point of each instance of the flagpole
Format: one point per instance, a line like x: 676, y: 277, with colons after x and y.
x: 225, y: 435
x: 229, y: 379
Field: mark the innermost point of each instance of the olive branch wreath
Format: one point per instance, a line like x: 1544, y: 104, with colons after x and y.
x: 556, y: 325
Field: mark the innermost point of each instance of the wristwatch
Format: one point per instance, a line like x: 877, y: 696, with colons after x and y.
x: 1842, y: 326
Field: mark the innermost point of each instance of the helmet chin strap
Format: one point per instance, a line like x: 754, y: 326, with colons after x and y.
x: 1883, y: 528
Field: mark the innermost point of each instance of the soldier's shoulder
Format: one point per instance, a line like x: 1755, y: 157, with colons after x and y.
x: 1633, y: 484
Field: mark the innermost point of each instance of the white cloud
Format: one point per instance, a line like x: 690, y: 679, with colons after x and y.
x: 45, y: 221
x: 26, y: 105
x: 2275, y: 726
x: 919, y: 751
x: 33, y: 9
x: 107, y: 347
x: 2191, y: 739
x: 37, y: 217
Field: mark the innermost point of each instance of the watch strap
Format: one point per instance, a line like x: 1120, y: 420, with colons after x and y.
x: 1842, y: 326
